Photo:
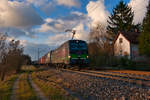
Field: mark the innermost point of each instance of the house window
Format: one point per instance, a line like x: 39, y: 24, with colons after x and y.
x: 121, y: 52
x: 120, y: 40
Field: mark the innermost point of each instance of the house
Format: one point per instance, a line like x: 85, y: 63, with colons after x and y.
x: 126, y: 44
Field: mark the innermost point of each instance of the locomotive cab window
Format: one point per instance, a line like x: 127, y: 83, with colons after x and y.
x: 78, y: 45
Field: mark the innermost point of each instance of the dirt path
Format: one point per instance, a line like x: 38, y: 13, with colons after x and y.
x: 38, y: 92
x: 14, y: 89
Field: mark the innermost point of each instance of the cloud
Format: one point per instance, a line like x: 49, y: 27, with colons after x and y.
x: 81, y: 33
x: 23, y: 42
x: 139, y: 8
x: 58, y: 39
x: 62, y: 23
x: 46, y: 6
x: 37, y: 3
x: 69, y: 3
x: 75, y: 20
x: 14, y: 32
x: 97, y: 12
x: 51, y: 26
x: 18, y: 14
x: 74, y: 16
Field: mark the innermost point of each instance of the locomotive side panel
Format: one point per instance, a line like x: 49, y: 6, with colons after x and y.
x: 65, y: 53
x: 60, y: 55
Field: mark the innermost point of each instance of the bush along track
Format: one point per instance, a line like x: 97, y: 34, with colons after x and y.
x: 6, y: 87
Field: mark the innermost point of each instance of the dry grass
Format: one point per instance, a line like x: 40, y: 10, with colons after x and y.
x: 25, y: 91
x: 131, y: 72
x: 28, y: 68
x: 51, y: 89
x: 6, y: 87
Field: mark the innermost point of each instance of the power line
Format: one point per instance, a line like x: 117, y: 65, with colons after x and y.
x: 41, y: 50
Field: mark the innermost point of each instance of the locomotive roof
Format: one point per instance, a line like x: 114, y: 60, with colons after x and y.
x: 72, y: 40
x: 76, y: 40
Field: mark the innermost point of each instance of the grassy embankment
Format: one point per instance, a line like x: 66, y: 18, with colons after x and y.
x: 52, y: 90
x: 25, y: 91
x: 6, y: 87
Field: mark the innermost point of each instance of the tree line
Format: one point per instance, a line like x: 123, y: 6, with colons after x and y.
x: 121, y: 19
x: 11, y: 56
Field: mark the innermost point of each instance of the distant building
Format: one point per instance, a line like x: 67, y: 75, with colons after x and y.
x: 126, y: 44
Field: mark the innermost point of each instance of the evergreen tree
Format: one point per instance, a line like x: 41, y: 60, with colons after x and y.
x: 121, y: 19
x: 144, y: 39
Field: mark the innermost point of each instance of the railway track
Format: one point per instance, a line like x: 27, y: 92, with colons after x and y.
x: 122, y: 75
x: 140, y: 80
x: 99, y: 85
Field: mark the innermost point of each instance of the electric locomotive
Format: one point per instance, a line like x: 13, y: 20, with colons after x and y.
x: 71, y: 53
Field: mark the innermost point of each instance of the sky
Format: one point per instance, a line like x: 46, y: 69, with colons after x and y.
x: 41, y: 24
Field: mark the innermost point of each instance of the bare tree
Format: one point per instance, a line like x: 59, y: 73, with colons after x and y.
x: 15, y: 55
x: 100, y: 38
x: 3, y: 52
x: 10, y: 56
x: 99, y: 45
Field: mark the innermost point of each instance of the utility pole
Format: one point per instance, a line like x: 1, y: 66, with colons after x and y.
x: 38, y: 54
x: 39, y: 51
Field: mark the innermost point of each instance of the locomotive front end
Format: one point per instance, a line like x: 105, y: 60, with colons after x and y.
x: 78, y: 53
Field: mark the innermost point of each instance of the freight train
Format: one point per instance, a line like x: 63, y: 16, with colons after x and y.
x: 69, y: 54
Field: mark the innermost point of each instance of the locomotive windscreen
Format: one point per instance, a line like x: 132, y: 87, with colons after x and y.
x: 78, y: 45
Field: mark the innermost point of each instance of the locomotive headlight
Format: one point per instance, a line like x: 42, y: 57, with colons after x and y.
x: 69, y: 56
x: 87, y: 56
